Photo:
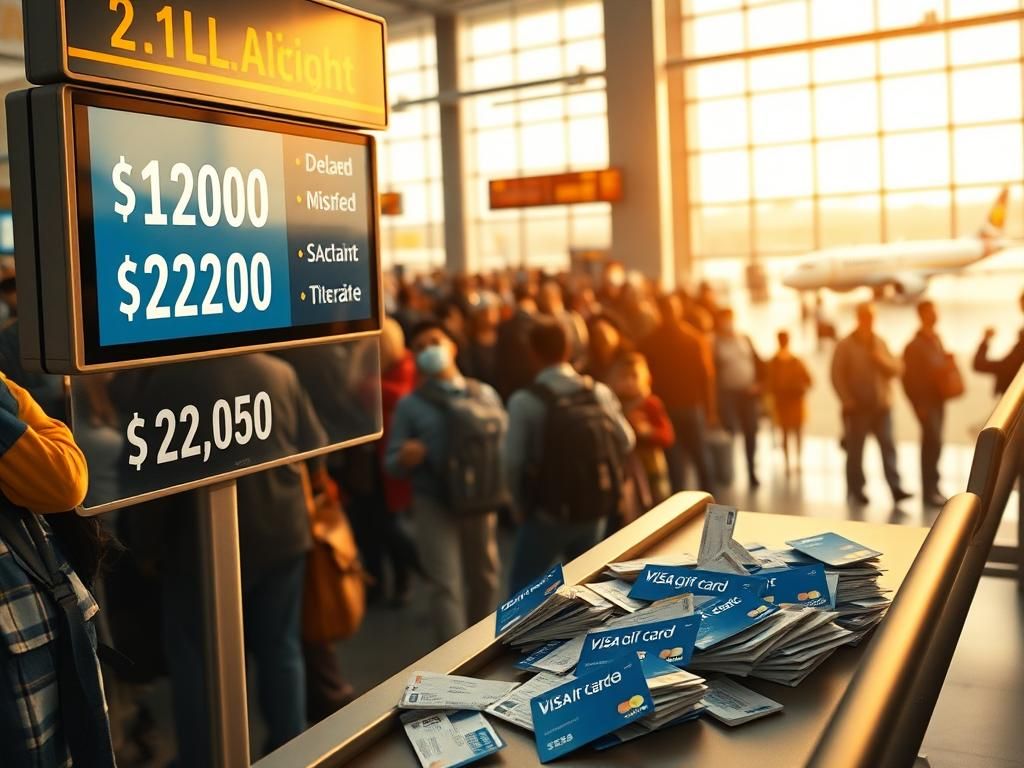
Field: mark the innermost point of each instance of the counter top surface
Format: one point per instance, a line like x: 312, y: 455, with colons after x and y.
x: 779, y: 741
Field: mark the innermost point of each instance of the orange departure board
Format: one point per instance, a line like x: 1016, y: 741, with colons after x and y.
x: 559, y: 189
x: 391, y: 204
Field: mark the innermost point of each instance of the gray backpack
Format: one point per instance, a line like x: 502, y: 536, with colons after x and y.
x: 472, y: 470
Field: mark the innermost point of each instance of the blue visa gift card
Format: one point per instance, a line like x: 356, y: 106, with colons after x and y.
x: 656, y: 582
x: 729, y: 616
x: 804, y: 585
x: 671, y: 641
x: 833, y: 549
x: 527, y: 600
x: 581, y: 711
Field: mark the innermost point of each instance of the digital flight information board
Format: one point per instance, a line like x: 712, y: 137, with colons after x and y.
x: 197, y: 232
x: 301, y: 58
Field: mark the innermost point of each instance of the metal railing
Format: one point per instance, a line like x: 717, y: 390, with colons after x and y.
x: 882, y: 718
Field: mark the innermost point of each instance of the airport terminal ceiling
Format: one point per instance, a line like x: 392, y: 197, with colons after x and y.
x: 809, y: 123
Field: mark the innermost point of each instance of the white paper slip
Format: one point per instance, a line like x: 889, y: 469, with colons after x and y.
x: 427, y: 690
x: 675, y: 607
x: 718, y: 550
x: 515, y: 706
x: 630, y: 569
x: 616, y: 592
x: 450, y: 739
x: 563, y: 658
x: 734, y: 704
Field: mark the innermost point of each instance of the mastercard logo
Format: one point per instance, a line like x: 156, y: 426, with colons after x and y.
x: 812, y: 595
x: 634, y: 702
x: 671, y: 653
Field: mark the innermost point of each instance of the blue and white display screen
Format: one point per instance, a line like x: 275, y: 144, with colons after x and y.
x: 202, y: 230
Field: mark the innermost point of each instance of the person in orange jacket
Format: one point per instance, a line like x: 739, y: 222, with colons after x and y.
x: 52, y: 707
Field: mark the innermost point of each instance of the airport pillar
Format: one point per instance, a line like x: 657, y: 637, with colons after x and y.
x: 639, y: 136
x: 456, y: 231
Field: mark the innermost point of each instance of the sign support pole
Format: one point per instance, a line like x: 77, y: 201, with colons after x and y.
x: 224, y: 638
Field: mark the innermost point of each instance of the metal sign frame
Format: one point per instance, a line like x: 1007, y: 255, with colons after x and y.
x: 40, y: 115
x: 47, y: 61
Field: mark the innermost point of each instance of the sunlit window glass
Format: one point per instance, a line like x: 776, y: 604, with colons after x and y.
x: 989, y: 153
x: 783, y: 171
x: 777, y: 24
x: 723, y: 177
x: 973, y: 91
x: 535, y: 127
x: 409, y: 152
x: 783, y: 226
x: 848, y: 166
x: 916, y: 160
x: 838, y: 18
x: 917, y: 101
x: 918, y: 215
x: 850, y: 220
x: 991, y: 42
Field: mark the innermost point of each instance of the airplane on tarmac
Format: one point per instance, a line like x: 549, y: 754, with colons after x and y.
x: 904, y: 267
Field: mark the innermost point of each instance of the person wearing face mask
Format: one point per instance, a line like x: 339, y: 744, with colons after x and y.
x: 456, y: 523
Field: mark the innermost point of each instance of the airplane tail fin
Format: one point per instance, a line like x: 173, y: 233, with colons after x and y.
x: 993, y: 226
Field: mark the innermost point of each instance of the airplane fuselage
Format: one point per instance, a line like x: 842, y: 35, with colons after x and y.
x: 905, y: 265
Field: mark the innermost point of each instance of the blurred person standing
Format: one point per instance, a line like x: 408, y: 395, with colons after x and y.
x: 648, y: 467
x: 567, y: 445
x: 274, y: 540
x: 638, y: 312
x: 607, y: 344
x: 788, y: 381
x: 456, y: 324
x: 862, y: 374
x: 610, y: 293
x: 682, y: 373
x: 515, y: 369
x: 413, y: 306
x: 1004, y: 369
x: 457, y: 548
x: 481, y: 358
x: 551, y: 303
x: 739, y: 372
x: 52, y: 706
x: 930, y: 377
x: 398, y: 379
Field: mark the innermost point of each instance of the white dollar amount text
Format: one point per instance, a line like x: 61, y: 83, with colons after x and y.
x: 246, y: 282
x: 238, y: 422
x: 240, y: 200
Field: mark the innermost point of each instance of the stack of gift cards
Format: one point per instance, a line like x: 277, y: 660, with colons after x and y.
x: 858, y: 599
x: 567, y: 613
x: 547, y: 610
x: 674, y: 694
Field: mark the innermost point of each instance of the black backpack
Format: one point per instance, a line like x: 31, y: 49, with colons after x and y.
x: 579, y: 474
x: 472, y: 471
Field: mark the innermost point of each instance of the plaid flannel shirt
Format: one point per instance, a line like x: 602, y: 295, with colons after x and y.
x: 30, y: 730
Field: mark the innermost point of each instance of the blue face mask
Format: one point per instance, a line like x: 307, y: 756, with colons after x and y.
x: 433, y: 360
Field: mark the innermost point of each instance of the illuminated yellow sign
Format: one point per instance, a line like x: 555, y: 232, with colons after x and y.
x: 307, y: 58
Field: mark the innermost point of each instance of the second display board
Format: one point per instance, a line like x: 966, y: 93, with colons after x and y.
x: 192, y: 232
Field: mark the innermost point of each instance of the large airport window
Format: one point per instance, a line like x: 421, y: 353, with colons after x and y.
x: 409, y: 152
x: 534, y: 127
x: 832, y: 122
